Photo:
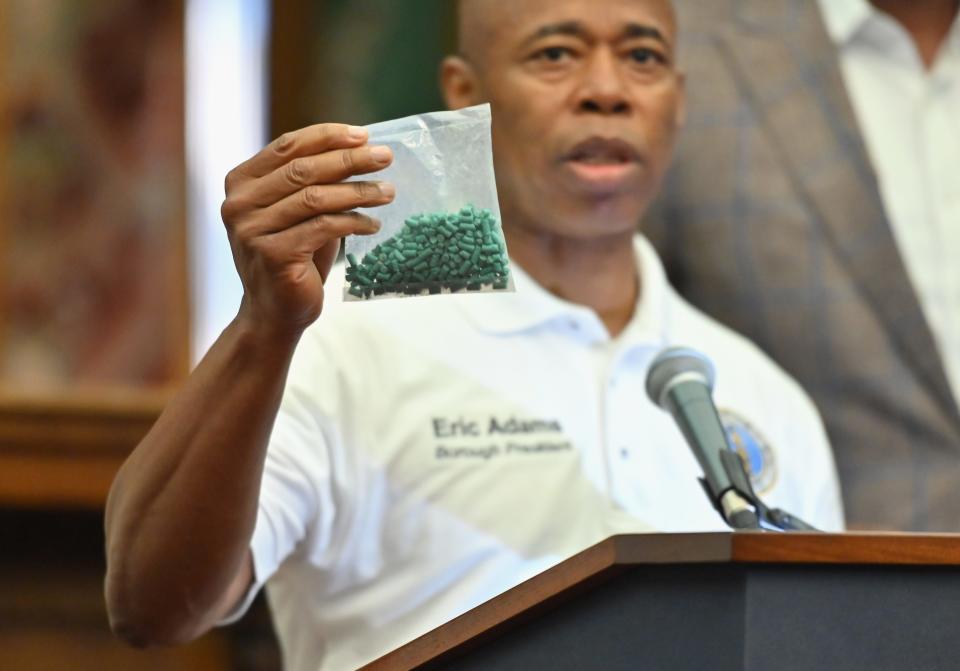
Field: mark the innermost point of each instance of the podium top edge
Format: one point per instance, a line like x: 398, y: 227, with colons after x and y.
x: 858, y: 547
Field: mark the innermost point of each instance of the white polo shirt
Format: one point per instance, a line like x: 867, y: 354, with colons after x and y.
x: 431, y: 453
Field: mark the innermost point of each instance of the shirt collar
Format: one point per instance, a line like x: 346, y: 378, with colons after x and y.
x: 532, y: 306
x: 952, y: 41
x: 844, y: 18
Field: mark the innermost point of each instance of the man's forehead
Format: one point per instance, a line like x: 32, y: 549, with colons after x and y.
x: 483, y: 22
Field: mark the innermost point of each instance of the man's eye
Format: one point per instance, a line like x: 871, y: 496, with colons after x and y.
x: 554, y: 54
x: 647, y: 56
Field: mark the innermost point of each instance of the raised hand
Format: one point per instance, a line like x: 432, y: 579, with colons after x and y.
x: 285, y: 212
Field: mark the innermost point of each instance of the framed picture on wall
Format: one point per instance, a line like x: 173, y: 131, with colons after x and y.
x: 93, y: 285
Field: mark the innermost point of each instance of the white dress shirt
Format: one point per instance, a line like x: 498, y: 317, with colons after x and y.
x: 910, y: 120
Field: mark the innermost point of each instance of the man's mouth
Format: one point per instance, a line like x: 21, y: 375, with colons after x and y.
x: 602, y: 165
x: 603, y: 151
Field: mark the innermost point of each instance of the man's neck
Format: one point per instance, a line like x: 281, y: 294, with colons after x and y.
x: 927, y: 21
x: 599, y: 274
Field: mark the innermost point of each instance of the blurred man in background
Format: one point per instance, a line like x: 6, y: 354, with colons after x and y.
x: 814, y: 205
x: 360, y: 461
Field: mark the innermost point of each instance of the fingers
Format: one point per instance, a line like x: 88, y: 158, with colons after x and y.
x: 315, y: 139
x: 326, y: 168
x: 308, y: 236
x: 313, y: 201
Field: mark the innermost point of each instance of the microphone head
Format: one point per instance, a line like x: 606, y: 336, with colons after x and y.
x: 672, y: 363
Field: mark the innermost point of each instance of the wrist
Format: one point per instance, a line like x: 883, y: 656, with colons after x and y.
x: 263, y: 333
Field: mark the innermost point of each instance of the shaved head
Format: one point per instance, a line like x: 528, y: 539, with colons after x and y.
x: 475, y: 25
x: 478, y: 22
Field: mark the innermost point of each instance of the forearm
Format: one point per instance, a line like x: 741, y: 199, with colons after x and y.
x: 181, y: 511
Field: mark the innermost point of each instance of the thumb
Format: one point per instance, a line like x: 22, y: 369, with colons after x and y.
x: 325, y: 257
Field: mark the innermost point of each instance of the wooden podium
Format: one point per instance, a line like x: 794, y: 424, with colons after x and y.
x: 747, y: 601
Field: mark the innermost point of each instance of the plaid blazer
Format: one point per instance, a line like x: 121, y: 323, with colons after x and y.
x: 771, y: 221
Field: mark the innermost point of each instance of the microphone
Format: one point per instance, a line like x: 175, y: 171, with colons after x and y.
x: 680, y: 381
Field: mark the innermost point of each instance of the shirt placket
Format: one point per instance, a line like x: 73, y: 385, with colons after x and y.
x: 625, y: 446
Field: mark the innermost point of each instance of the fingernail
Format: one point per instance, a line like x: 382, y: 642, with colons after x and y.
x: 357, y: 132
x: 387, y: 190
x: 375, y: 224
x: 381, y: 154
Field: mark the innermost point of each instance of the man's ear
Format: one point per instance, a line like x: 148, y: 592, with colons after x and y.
x: 459, y: 83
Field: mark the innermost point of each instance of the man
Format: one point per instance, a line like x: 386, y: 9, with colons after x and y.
x: 430, y: 453
x: 814, y: 205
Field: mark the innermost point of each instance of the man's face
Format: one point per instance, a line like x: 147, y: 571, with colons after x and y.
x: 586, y: 102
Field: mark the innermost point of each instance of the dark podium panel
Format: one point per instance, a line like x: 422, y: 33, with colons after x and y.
x: 744, y: 601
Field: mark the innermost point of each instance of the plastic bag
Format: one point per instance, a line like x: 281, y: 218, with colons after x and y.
x: 442, y: 232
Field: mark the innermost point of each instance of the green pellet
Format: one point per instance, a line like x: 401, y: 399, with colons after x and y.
x: 422, y: 257
x: 352, y: 260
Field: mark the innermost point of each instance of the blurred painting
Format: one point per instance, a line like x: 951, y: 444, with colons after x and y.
x: 92, y: 233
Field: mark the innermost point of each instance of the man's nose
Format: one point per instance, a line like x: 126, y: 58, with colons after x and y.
x: 603, y: 90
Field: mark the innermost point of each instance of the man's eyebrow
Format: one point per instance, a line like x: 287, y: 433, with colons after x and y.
x: 572, y: 28
x: 576, y: 29
x: 639, y: 30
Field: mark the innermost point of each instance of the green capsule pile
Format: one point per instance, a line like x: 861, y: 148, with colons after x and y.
x: 433, y: 252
